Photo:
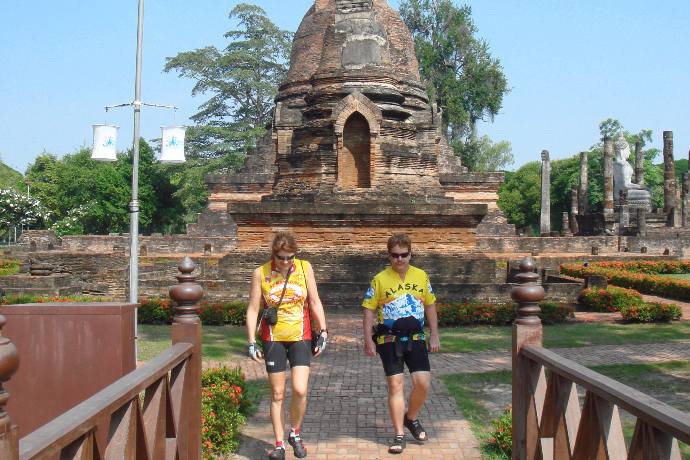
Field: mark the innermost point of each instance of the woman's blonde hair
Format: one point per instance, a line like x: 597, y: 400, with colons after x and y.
x: 283, y: 241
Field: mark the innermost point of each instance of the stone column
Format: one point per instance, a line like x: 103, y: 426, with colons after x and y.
x: 573, y: 209
x: 566, y: 224
x: 608, y: 175
x: 678, y: 208
x: 639, y: 163
x: 624, y: 213
x: 641, y: 222
x: 545, y: 227
x: 669, y: 173
x: 584, y: 184
x: 686, y: 199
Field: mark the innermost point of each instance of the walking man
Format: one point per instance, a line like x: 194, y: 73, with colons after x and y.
x: 395, y: 307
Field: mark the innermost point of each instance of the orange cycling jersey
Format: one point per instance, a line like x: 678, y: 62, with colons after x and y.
x: 293, y: 313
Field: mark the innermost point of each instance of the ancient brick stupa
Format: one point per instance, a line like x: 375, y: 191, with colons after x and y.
x: 355, y: 151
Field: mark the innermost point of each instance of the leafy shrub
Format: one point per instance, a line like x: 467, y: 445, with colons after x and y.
x: 651, y: 312
x: 155, y: 310
x: 9, y: 267
x: 224, y: 406
x: 211, y: 313
x: 611, y: 299
x: 501, y: 438
x: 470, y: 313
x: 554, y: 312
x: 235, y: 313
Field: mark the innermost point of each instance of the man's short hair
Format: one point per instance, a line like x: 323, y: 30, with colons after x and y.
x: 399, y: 239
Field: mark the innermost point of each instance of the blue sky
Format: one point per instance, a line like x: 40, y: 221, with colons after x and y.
x: 569, y: 65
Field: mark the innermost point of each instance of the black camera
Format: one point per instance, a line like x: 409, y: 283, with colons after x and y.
x: 271, y: 315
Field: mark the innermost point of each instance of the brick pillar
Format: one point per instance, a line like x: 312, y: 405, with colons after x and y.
x: 608, y: 175
x: 624, y: 213
x: 669, y: 173
x: 545, y: 221
x: 686, y: 199
x: 639, y: 163
x: 584, y: 184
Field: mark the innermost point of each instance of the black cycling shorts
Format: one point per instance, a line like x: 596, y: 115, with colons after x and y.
x: 277, y: 354
x: 417, y: 358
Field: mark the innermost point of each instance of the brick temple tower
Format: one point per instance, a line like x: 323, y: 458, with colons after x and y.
x: 355, y: 151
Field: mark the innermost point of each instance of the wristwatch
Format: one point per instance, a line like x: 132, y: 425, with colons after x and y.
x: 323, y: 330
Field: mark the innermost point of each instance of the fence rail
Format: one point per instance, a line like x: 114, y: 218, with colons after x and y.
x: 152, y: 413
x: 548, y: 420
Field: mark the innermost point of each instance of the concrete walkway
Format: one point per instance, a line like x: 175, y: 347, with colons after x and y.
x: 347, y: 417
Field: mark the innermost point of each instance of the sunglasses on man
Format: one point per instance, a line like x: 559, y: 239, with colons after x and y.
x: 398, y: 255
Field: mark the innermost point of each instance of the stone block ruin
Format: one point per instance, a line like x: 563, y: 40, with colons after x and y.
x: 355, y: 153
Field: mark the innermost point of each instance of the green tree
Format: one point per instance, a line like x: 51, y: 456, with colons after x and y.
x: 11, y: 179
x: 520, y: 196
x: 482, y: 154
x: 98, y: 193
x: 462, y: 76
x: 242, y: 80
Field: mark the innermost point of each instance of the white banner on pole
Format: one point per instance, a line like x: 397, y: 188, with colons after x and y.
x: 172, y: 144
x: 104, y: 143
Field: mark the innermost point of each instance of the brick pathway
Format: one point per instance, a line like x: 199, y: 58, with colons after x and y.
x: 347, y: 417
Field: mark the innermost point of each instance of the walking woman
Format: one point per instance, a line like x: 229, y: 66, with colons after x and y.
x: 286, y: 289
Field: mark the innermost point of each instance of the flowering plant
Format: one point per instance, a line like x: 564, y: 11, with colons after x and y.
x: 501, y: 438
x: 224, y: 405
x: 17, y: 209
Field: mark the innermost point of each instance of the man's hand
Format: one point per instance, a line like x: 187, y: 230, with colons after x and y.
x: 369, y: 347
x: 434, y: 343
x: 254, y: 352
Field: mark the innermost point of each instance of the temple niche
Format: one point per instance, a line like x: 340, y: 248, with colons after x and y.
x: 355, y: 151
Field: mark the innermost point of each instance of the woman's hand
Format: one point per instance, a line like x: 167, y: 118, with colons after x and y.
x: 321, y: 343
x: 254, y: 352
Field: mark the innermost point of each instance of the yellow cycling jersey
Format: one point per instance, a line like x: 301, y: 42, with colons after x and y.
x: 393, y: 298
x: 293, y: 313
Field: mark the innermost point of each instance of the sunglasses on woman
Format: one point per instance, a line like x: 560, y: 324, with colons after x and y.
x: 285, y: 258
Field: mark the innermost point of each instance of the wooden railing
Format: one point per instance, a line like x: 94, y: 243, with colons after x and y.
x: 151, y: 413
x: 548, y: 420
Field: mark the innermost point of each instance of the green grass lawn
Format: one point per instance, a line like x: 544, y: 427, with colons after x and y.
x: 682, y: 276
x: 482, y: 338
x: 223, y: 343
x: 219, y: 343
x: 667, y: 382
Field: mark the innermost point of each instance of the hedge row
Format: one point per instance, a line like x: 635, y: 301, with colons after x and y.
x: 157, y: 310
x: 622, y: 274
x: 497, y: 314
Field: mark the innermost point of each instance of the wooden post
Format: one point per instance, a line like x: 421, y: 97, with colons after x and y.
x: 9, y: 363
x: 186, y: 328
x: 527, y: 330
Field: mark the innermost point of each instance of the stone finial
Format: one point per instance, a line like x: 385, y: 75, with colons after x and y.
x: 527, y: 294
x: 9, y: 363
x: 186, y: 294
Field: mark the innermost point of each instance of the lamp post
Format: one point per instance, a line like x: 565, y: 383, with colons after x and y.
x: 105, y: 149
